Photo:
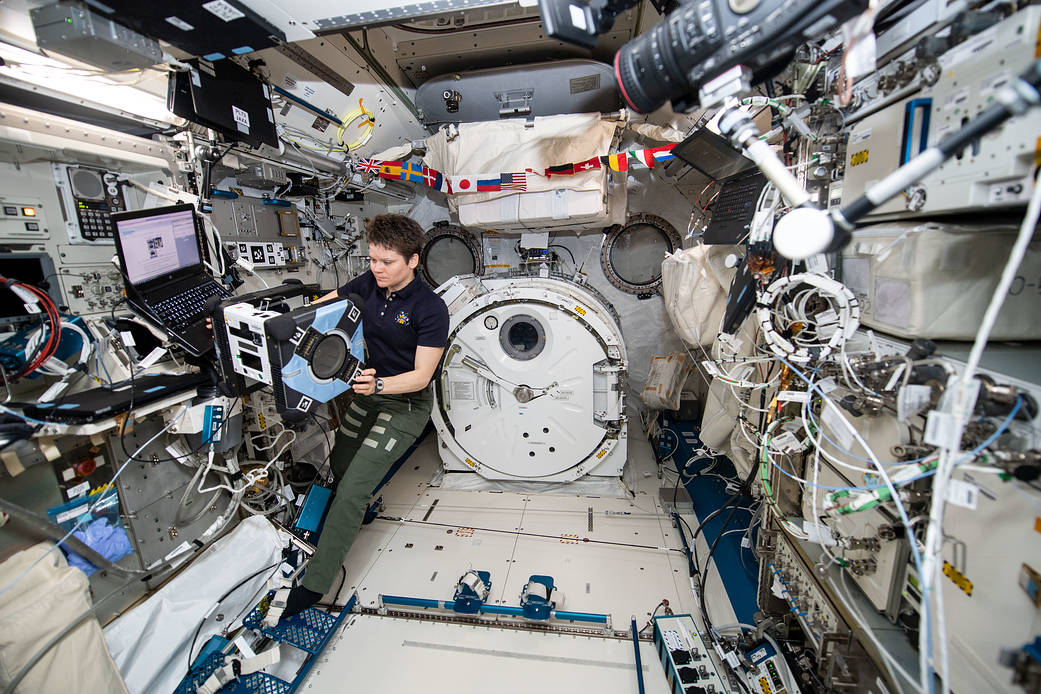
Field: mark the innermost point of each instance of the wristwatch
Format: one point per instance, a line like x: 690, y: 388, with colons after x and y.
x: 379, y: 386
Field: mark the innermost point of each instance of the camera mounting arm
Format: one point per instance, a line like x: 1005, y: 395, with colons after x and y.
x: 807, y: 230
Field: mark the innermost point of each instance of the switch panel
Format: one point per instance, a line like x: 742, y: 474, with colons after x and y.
x: 90, y: 288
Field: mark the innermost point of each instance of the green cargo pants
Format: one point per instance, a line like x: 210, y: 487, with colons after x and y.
x: 375, y: 430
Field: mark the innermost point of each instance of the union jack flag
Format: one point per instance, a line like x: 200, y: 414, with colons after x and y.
x: 370, y: 165
x: 514, y: 181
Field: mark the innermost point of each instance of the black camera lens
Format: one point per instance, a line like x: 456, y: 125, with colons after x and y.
x: 663, y: 64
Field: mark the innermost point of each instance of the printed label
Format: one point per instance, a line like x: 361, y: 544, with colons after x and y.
x: 859, y: 137
x: 964, y: 494
x: 462, y: 390
x: 72, y: 513
x: 240, y: 116
x: 78, y: 490
x: 223, y: 10
x: 180, y: 23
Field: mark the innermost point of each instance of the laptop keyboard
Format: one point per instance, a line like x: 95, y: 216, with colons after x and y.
x: 737, y: 200
x: 181, y: 310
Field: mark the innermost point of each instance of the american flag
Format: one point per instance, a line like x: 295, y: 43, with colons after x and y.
x: 514, y: 181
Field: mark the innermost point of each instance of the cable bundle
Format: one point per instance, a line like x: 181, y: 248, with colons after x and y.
x: 792, y: 332
x: 34, y: 299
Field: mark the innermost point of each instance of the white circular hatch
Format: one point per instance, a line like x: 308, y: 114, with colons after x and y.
x: 532, y: 382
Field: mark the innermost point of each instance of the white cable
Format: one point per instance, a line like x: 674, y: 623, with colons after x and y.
x: 925, y: 663
x: 1008, y: 275
x: 274, y: 439
x: 846, y: 310
x: 248, y: 267
x: 934, y: 533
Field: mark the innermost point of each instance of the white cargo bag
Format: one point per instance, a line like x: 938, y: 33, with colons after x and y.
x: 935, y: 280
x: 694, y: 285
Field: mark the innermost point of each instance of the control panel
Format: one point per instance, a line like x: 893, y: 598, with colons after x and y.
x: 767, y: 671
x: 90, y: 197
x: 948, y: 90
x: 91, y: 288
x: 684, y: 655
x: 787, y: 577
x: 22, y: 218
x: 267, y: 254
x: 264, y: 232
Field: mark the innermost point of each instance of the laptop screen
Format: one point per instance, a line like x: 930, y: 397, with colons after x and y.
x: 712, y: 155
x: 158, y: 244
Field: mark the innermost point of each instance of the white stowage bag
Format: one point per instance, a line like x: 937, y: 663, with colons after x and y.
x: 665, y: 381
x: 719, y: 421
x: 933, y: 280
x: 694, y: 286
x: 34, y: 610
x: 594, y: 197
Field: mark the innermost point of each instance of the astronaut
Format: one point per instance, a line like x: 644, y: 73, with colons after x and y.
x: 405, y: 326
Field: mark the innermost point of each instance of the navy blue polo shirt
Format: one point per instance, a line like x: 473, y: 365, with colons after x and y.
x: 394, y: 326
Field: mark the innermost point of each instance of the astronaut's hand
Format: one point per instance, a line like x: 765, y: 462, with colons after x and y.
x: 365, y: 383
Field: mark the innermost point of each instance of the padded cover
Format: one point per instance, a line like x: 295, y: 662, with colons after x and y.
x: 595, y: 197
x: 33, y: 610
x: 695, y: 283
x: 935, y: 280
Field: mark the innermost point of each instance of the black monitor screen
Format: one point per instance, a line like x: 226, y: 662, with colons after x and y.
x: 228, y: 98
x: 158, y: 244
x: 30, y: 268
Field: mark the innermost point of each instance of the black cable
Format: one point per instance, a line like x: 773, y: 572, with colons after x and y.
x: 343, y: 579
x: 650, y: 621
x: 222, y: 598
x: 129, y: 413
x: 336, y: 595
x: 557, y: 245
x: 329, y: 440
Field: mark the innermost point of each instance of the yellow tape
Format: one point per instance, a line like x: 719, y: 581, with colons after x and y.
x: 957, y: 577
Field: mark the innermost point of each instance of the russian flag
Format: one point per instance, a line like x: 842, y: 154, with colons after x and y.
x: 489, y: 184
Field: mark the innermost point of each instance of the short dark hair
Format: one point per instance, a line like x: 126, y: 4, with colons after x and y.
x: 397, y: 232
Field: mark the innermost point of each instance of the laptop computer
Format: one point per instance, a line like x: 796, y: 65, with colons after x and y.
x: 100, y: 403
x: 160, y: 255
x: 741, y: 183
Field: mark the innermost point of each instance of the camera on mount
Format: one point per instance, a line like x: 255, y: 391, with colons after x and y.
x: 704, y: 50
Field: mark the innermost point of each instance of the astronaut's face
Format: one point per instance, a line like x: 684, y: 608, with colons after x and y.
x: 391, y: 269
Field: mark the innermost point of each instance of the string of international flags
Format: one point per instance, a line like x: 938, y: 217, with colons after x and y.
x: 519, y: 180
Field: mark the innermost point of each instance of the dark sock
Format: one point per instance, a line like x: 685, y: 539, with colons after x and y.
x: 299, y: 599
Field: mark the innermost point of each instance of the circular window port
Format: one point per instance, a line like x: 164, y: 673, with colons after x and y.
x: 449, y: 251
x: 631, y: 255
x: 522, y: 337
